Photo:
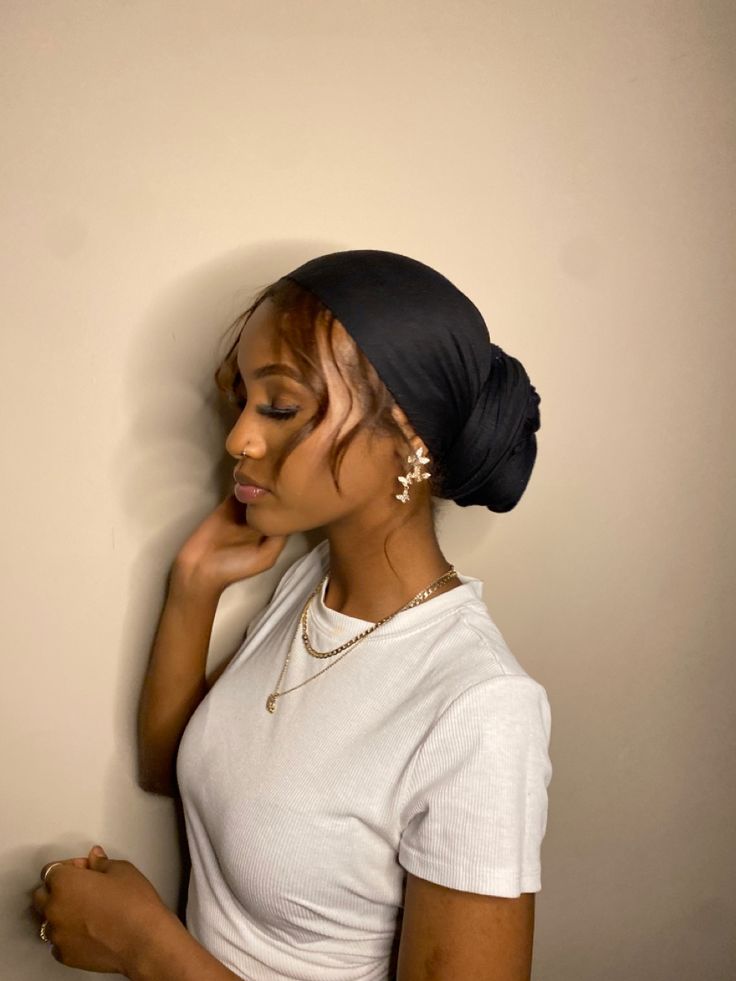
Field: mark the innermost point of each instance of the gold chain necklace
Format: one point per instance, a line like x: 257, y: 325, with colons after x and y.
x: 348, y: 645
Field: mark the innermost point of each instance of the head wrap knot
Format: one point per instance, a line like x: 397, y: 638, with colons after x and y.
x: 494, y: 452
x: 470, y: 402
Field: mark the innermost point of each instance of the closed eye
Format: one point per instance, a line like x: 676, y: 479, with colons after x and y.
x: 271, y: 411
x: 275, y: 413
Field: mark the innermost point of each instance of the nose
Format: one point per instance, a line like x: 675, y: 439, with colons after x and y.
x: 244, y: 434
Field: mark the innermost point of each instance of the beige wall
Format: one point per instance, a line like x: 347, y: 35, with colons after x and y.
x: 571, y: 167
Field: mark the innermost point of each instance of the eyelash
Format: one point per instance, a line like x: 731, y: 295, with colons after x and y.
x: 280, y: 415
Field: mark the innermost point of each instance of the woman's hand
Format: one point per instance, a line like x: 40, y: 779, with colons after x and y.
x: 101, y: 912
x: 224, y: 548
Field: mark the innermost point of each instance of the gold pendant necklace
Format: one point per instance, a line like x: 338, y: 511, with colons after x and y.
x: 345, y: 648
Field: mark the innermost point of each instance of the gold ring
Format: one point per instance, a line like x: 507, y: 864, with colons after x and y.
x: 42, y: 932
x: 49, y: 869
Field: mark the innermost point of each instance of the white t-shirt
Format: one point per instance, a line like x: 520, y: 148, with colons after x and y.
x: 424, y: 749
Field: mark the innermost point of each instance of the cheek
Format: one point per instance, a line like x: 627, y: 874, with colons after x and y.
x: 365, y: 469
x: 305, y: 474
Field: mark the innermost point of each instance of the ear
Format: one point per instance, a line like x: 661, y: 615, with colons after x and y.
x: 414, y: 442
x: 400, y: 418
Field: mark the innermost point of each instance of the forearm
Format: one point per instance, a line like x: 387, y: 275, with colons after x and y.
x: 172, y: 954
x: 175, y: 681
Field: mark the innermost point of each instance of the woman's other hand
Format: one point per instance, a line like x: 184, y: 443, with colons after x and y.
x: 100, y: 912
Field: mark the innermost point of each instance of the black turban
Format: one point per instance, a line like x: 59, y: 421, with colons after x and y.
x: 471, y: 403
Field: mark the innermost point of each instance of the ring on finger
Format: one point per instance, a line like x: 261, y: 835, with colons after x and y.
x: 53, y: 865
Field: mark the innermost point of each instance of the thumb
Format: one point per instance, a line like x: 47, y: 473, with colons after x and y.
x: 98, y: 859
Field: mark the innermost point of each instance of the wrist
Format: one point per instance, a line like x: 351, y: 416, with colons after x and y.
x: 188, y: 581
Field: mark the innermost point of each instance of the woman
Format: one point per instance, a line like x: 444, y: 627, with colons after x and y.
x: 383, y: 819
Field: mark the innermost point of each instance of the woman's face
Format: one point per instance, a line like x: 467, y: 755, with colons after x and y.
x: 277, y: 405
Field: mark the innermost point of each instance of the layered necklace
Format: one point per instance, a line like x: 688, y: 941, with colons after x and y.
x: 345, y: 648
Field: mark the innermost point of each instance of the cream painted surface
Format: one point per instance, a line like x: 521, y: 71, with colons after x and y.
x: 571, y: 167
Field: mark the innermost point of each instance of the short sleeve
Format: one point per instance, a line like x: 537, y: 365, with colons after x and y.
x: 474, y: 800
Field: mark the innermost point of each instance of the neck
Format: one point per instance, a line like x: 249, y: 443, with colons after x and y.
x: 363, y: 583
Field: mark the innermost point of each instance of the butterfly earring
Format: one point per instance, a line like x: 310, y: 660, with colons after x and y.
x: 415, y: 475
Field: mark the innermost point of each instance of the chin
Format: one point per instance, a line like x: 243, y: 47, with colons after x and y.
x: 267, y: 523
x: 284, y: 522
x: 256, y: 519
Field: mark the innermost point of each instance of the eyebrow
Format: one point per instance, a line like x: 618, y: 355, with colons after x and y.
x: 278, y: 368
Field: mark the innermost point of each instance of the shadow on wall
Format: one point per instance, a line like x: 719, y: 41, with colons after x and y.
x: 174, y: 470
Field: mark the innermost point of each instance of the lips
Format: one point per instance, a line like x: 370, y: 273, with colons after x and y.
x: 248, y: 494
x: 246, y: 481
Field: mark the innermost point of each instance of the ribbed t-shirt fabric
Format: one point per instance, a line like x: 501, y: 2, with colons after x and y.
x: 423, y: 750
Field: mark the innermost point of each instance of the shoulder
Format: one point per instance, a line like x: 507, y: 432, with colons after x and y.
x: 495, y: 723
x: 506, y: 719
x: 469, y: 658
